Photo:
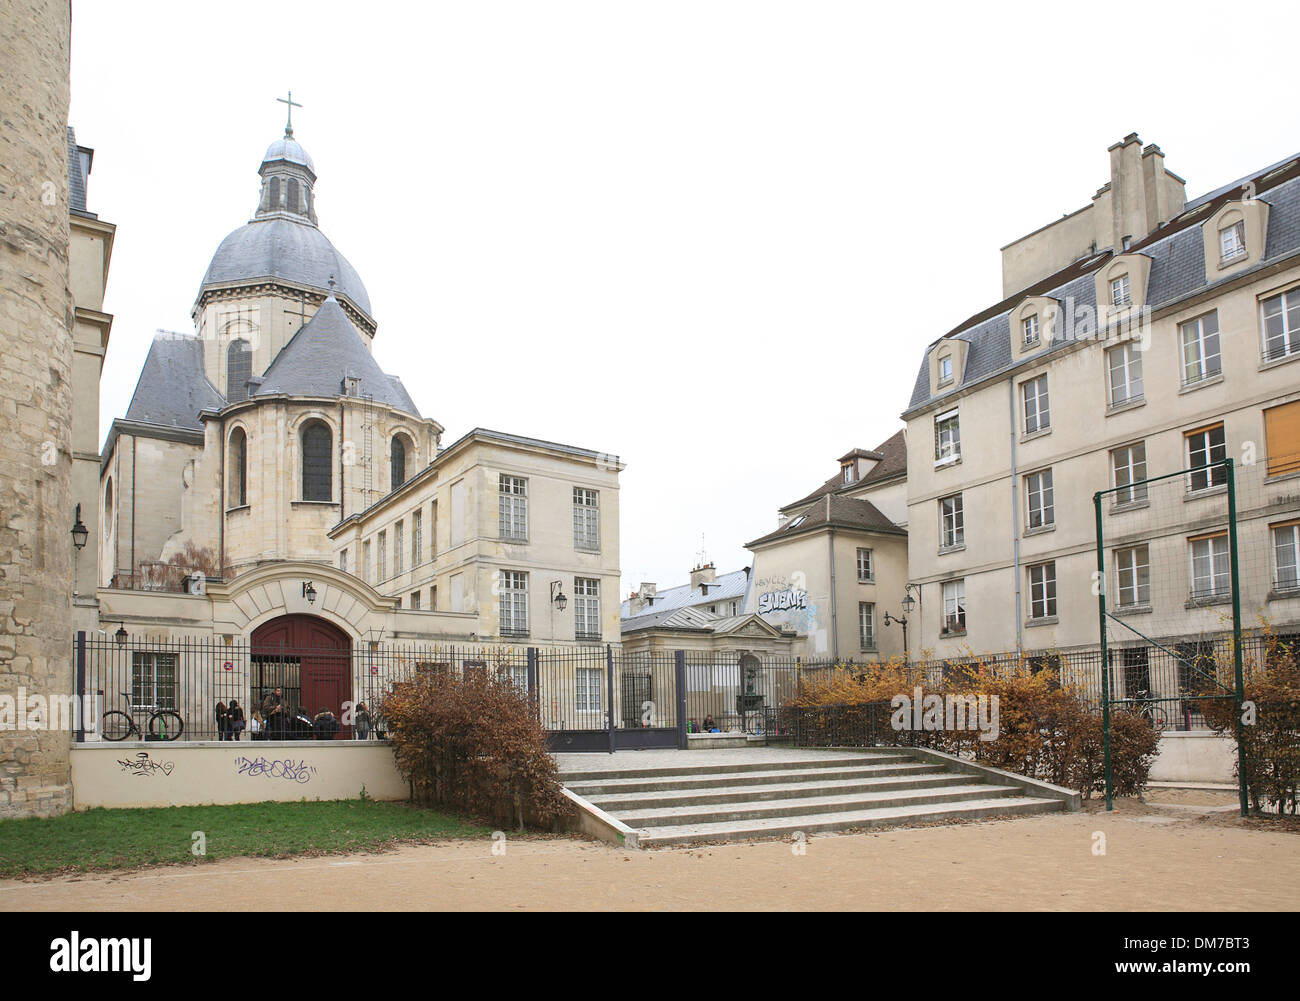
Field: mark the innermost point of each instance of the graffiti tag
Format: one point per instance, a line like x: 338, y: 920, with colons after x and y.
x: 780, y: 601
x: 276, y: 768
x: 144, y: 766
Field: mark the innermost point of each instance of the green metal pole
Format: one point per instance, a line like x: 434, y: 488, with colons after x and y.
x: 1238, y: 673
x: 1105, y: 666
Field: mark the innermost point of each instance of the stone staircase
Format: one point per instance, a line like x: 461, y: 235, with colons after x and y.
x: 678, y: 803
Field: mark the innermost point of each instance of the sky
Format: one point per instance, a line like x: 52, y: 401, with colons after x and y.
x: 713, y: 238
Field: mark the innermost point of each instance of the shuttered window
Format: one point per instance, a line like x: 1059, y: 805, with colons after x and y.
x: 1282, y: 437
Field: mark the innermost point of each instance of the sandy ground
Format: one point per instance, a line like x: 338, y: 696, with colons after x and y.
x: 1170, y: 855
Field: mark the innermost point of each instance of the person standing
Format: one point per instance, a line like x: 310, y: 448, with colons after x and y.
x: 235, y: 719
x: 223, y: 721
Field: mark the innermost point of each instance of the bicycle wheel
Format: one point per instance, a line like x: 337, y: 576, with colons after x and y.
x: 116, y: 725
x: 166, y: 725
x: 1159, y: 718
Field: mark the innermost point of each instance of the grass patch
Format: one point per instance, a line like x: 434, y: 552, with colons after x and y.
x: 126, y: 839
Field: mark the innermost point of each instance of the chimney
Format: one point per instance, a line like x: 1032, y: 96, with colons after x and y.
x: 702, y: 575
x: 640, y: 600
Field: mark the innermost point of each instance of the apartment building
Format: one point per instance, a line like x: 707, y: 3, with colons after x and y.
x: 1142, y: 335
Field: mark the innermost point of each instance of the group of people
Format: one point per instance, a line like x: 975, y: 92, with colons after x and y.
x: 272, y: 721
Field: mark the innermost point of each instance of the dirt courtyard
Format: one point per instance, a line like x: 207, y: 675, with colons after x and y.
x: 1170, y: 856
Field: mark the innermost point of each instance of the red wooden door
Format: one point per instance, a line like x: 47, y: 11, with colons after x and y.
x: 323, y: 652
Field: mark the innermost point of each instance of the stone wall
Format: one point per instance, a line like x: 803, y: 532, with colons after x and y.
x: 35, y: 396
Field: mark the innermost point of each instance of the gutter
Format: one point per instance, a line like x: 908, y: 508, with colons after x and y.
x: 1015, y: 506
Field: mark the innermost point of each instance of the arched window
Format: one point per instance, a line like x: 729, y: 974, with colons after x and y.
x: 108, y: 501
x: 292, y: 198
x: 397, y: 461
x: 275, y: 194
x: 237, y: 470
x: 239, y: 369
x: 317, y: 465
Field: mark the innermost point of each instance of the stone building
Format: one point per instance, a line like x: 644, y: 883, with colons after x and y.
x: 1143, y: 335
x: 37, y: 446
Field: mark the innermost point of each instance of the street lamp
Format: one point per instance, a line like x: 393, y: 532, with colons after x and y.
x: 908, y: 604
x: 79, y: 531
x: 309, y: 592
x: 557, y: 595
x: 120, y: 635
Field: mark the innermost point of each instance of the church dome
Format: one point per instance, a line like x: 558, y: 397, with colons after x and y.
x: 286, y: 248
x: 283, y: 241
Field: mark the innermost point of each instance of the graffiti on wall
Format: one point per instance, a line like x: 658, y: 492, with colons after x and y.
x: 275, y: 768
x: 143, y: 766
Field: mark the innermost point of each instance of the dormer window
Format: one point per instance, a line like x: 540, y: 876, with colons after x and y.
x: 848, y: 472
x: 1232, y: 241
x: 945, y: 369
x: 1119, y: 293
x: 1030, y: 329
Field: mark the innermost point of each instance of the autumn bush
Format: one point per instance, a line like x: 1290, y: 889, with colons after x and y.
x: 1046, y: 730
x: 473, y: 743
x: 1270, y: 736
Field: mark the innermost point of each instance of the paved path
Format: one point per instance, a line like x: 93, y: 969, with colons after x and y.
x: 1154, y: 860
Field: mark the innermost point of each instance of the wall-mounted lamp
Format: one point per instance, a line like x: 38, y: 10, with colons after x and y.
x: 557, y: 595
x: 80, y: 533
x: 120, y: 635
x: 309, y: 592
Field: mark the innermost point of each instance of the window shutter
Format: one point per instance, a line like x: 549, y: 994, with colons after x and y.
x: 1282, y: 437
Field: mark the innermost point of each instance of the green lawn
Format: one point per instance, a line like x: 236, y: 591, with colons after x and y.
x: 121, y: 839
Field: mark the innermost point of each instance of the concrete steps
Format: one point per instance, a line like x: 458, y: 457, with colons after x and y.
x: 770, y: 797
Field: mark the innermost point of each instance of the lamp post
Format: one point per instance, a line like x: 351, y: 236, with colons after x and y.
x: 309, y: 592
x: 908, y: 604
x: 557, y: 595
x: 79, y: 531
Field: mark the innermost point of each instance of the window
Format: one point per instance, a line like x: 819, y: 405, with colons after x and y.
x: 433, y: 529
x: 866, y: 625
x: 954, y: 606
x: 291, y: 197
x: 1125, y: 363
x: 237, y: 470
x: 513, y: 610
x: 1130, y: 466
x: 383, y: 556
x: 1286, y: 556
x: 1204, y: 446
x: 586, y: 519
x: 433, y: 598
x: 945, y: 369
x: 1133, y: 576
x: 846, y: 471
x: 398, y: 538
x: 1119, y: 295
x: 366, y: 564
x: 343, y: 561
x: 513, y: 508
x: 397, y: 462
x: 587, y: 688
x: 1039, y: 500
x: 417, y: 543
x: 239, y: 369
x: 415, y: 600
x: 275, y: 194
x: 153, y: 680
x: 865, y: 570
x: 952, y: 522
x: 1042, y: 591
x: 1029, y: 327
x: 586, y: 608
x: 947, y: 437
x: 1037, y: 414
x: 317, y: 465
x: 1201, y: 357
x: 1281, y: 324
x: 1282, y: 438
x: 1210, y: 570
x: 1232, y: 241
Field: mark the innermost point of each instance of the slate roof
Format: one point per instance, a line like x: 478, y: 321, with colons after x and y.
x: 725, y: 587
x: 1177, y: 270
x: 76, y: 178
x: 892, y: 453
x: 833, y: 511
x: 172, y: 387
x: 321, y: 353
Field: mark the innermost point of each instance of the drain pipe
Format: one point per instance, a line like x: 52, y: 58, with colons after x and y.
x: 1015, y: 505
x: 835, y: 623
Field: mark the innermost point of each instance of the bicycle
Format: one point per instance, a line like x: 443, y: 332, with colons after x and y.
x: 162, y: 724
x: 1146, y: 707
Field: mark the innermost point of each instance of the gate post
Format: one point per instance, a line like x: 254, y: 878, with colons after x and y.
x: 81, y: 686
x: 609, y: 686
x: 532, y: 675
x: 1239, y: 681
x: 1105, y: 660
x: 679, y: 682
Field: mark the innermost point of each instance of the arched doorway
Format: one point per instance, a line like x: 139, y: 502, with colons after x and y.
x: 306, y: 657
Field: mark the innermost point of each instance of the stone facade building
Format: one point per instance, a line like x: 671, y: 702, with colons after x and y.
x: 37, y: 444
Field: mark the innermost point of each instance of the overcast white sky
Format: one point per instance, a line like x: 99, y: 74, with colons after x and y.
x: 711, y: 237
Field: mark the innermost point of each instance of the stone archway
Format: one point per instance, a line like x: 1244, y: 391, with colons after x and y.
x: 309, y: 658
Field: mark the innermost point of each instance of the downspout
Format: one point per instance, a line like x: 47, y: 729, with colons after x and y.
x: 835, y: 623
x: 133, y: 441
x: 342, y: 439
x: 221, y: 500
x: 1015, y: 506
